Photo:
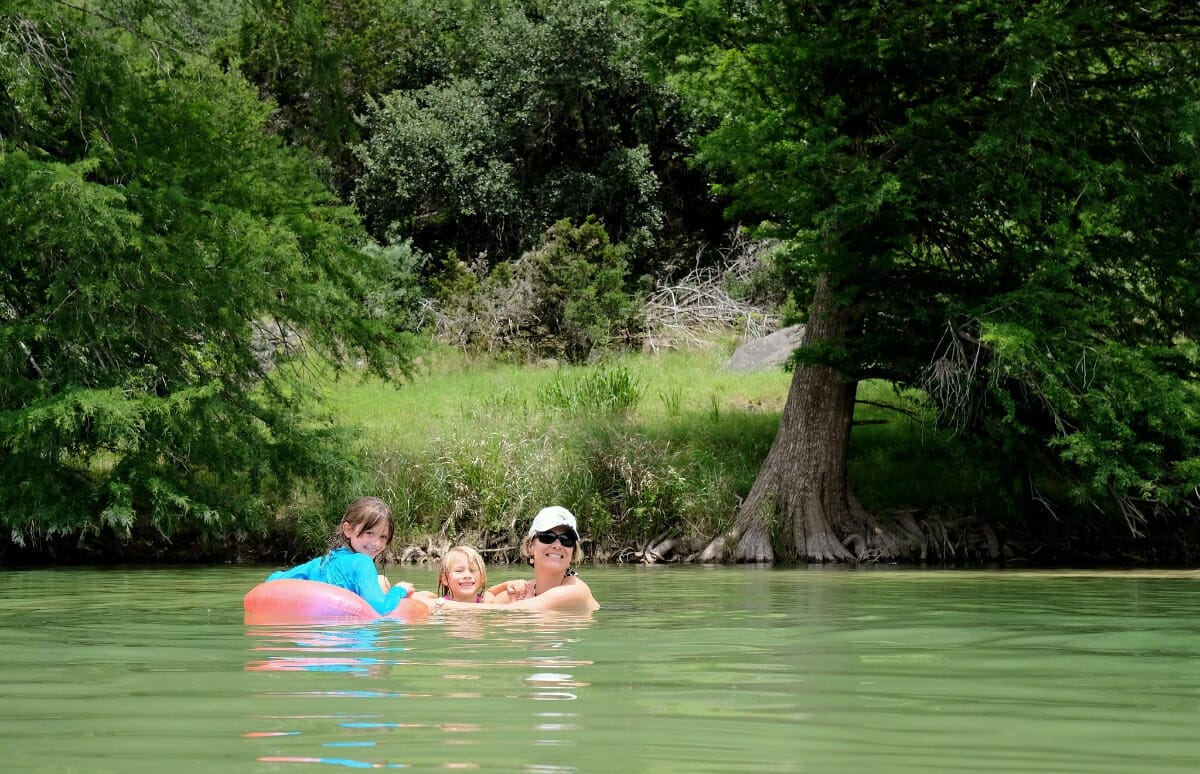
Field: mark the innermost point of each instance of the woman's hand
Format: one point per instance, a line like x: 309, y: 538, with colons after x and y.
x: 517, y: 589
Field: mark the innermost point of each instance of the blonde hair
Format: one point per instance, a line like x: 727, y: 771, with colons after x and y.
x: 362, y: 514
x: 474, y: 561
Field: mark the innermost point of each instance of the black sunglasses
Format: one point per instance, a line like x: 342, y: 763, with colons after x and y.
x: 567, y: 539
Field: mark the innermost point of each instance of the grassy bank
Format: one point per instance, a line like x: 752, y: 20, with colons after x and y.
x: 644, y: 448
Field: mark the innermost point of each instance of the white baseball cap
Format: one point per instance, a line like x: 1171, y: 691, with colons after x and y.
x: 551, y: 517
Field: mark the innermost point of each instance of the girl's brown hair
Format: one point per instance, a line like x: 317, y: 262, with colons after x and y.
x: 362, y: 514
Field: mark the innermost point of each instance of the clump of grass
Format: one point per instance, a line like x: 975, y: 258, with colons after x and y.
x: 610, y: 388
x: 636, y: 479
x: 672, y: 400
x: 487, y: 482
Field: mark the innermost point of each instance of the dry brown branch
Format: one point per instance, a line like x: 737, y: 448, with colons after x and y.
x: 699, y: 305
x: 948, y: 379
x: 39, y: 53
x: 1135, y: 519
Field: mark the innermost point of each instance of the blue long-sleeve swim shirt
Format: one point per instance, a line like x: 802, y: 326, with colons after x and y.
x: 350, y: 570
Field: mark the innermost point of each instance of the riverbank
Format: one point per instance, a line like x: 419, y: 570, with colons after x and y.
x: 652, y: 451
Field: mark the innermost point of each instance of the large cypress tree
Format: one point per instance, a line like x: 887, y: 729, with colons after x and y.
x: 990, y: 200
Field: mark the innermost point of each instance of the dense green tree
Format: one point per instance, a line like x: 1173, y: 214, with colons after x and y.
x: 579, y: 282
x: 991, y: 200
x: 154, y: 234
x: 533, y: 112
x: 321, y: 61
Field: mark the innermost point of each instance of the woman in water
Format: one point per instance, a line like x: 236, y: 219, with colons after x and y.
x: 362, y: 536
x: 551, y: 546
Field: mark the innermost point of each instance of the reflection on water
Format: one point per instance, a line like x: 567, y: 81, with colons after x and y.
x: 292, y: 649
x: 463, y: 653
x: 697, y: 669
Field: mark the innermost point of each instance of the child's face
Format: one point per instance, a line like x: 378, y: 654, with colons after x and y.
x: 370, y: 541
x: 461, y: 579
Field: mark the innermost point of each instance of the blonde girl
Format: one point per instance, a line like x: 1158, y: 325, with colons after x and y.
x: 463, y: 576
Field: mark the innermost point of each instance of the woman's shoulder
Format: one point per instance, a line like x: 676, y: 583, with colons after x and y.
x: 573, y: 579
x: 572, y: 594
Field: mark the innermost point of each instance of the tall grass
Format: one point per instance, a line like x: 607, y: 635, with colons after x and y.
x: 640, y: 447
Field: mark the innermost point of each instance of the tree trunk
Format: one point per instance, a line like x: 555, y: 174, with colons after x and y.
x: 802, y: 489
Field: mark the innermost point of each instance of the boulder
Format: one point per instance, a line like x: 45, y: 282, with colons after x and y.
x: 769, y: 351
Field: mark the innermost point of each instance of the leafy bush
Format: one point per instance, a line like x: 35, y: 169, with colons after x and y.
x: 152, y: 226
x: 399, y: 298
x: 578, y: 281
x: 566, y: 299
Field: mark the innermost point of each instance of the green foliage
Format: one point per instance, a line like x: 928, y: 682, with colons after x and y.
x: 400, y: 295
x: 470, y: 448
x: 900, y: 461
x: 320, y: 61
x: 490, y: 443
x: 530, y: 113
x: 1001, y: 198
x: 1113, y: 414
x: 636, y: 480
x: 435, y: 161
x: 578, y: 281
x: 568, y: 298
x: 153, y: 231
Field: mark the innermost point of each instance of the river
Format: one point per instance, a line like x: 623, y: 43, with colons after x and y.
x: 697, y: 669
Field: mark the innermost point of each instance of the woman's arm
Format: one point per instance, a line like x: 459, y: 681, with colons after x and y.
x: 572, y: 596
x: 507, y: 591
x: 499, y: 587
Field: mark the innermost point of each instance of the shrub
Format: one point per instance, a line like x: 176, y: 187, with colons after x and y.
x: 566, y: 299
x: 578, y: 282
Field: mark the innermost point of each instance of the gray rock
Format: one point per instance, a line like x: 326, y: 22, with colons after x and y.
x: 766, y: 352
x: 269, y: 340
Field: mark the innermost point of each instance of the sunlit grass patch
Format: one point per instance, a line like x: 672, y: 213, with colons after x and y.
x: 638, y: 446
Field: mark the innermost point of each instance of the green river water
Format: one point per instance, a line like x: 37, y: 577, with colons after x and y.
x: 717, y: 669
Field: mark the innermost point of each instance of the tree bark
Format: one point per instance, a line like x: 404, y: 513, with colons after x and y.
x: 802, y: 489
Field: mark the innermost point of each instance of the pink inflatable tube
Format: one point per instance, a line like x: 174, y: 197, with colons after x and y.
x: 290, y: 602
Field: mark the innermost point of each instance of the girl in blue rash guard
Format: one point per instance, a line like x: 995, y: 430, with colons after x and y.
x: 365, y: 531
